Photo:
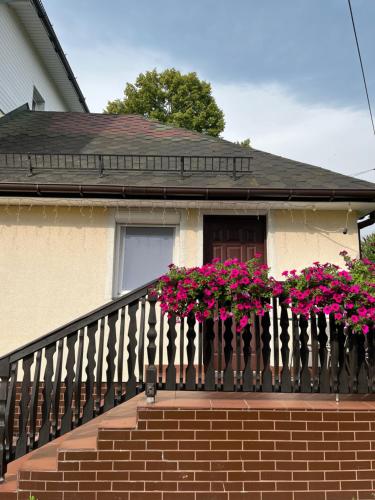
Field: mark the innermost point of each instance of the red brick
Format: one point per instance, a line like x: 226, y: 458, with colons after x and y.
x: 324, y: 485
x: 143, y: 475
x: 338, y: 416
x: 275, y: 455
x: 274, y: 415
x: 259, y: 465
x: 213, y: 455
x: 212, y: 476
x: 194, y: 465
x: 275, y: 475
x: 259, y: 424
x: 322, y: 445
x: 261, y: 486
x: 325, y: 465
x: 306, y: 416
x: 308, y: 475
x: 310, y: 495
x: 356, y: 485
x: 342, y: 495
x: 178, y: 496
x: 196, y: 424
x: 180, y: 455
x: 211, y: 415
x: 340, y: 475
x: 178, y: 476
x: 228, y: 424
x: 211, y: 435
x: 327, y: 426
x: 32, y: 485
x: 307, y: 436
x: 338, y: 436
x: 273, y: 435
x: 128, y: 485
x: 226, y: 445
x: 150, y: 415
x: 79, y: 476
x: 145, y: 495
x: 111, y: 475
x: 196, y: 445
x: 162, y: 445
x: 243, y: 455
x: 225, y: 466
x: 291, y: 465
x: 194, y: 486
x: 146, y: 435
x: 94, y: 486
x: 161, y: 465
x: 146, y: 455
x: 290, y: 445
x: 113, y: 455
x: 243, y: 415
x: 243, y: 435
x: 243, y: 476
x: 181, y: 435
x: 308, y: 455
x: 280, y: 495
x: 258, y: 445
x: 291, y: 485
x: 290, y: 425
x: 162, y: 424
x: 161, y: 486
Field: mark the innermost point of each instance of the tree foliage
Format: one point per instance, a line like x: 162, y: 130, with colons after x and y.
x: 368, y: 247
x: 245, y: 143
x: 172, y: 98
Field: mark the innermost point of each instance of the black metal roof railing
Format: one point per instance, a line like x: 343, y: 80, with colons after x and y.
x: 185, y: 165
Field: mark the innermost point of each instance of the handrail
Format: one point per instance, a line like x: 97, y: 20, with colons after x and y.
x: 78, y: 323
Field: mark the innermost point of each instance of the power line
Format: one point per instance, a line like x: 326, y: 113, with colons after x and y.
x: 363, y: 71
x: 363, y: 172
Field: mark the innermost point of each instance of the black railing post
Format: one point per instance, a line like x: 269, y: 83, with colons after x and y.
x: 151, y: 372
x: 4, y: 381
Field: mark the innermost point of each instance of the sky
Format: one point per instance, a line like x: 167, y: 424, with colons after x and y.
x: 285, y: 72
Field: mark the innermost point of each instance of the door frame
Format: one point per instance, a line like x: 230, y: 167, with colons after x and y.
x: 227, y: 216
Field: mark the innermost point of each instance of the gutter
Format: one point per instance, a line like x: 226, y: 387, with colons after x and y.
x: 122, y: 191
x: 55, y: 42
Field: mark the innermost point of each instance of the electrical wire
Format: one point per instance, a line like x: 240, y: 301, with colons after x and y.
x: 361, y: 63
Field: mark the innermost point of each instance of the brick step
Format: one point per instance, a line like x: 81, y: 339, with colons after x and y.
x: 212, y: 449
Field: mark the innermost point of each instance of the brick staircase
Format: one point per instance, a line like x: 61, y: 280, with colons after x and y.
x: 209, y: 446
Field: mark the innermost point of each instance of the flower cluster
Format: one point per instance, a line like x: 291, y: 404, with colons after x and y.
x: 218, y: 290
x: 348, y: 294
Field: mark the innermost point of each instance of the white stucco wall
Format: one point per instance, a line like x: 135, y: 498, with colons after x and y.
x: 21, y: 68
x: 57, y: 262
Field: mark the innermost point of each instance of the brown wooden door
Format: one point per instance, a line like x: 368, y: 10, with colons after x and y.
x: 228, y: 237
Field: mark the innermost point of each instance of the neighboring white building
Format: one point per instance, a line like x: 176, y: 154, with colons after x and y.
x: 33, y: 66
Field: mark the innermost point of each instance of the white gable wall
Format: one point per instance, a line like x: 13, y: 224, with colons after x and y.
x: 21, y: 68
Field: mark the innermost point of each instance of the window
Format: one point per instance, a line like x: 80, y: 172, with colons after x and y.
x: 37, y: 103
x: 144, y: 254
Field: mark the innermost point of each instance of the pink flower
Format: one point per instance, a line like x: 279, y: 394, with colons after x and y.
x: 244, y: 321
x: 365, y: 329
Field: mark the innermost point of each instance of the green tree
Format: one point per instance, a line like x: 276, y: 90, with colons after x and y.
x: 245, y: 143
x: 172, y: 98
x: 368, y: 247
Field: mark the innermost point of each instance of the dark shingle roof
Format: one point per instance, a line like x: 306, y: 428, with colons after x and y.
x: 81, y: 133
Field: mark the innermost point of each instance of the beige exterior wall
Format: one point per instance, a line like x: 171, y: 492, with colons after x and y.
x: 297, y: 238
x: 57, y: 263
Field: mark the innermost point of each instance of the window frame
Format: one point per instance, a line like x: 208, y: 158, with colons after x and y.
x: 118, y: 267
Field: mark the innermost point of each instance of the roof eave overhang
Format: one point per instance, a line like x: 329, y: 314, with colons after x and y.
x: 152, y: 192
x: 40, y: 30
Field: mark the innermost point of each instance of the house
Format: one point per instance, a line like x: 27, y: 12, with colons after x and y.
x: 33, y: 66
x: 93, y: 208
x: 92, y: 185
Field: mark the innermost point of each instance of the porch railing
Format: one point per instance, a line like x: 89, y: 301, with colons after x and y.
x: 66, y: 378
x: 101, y: 164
